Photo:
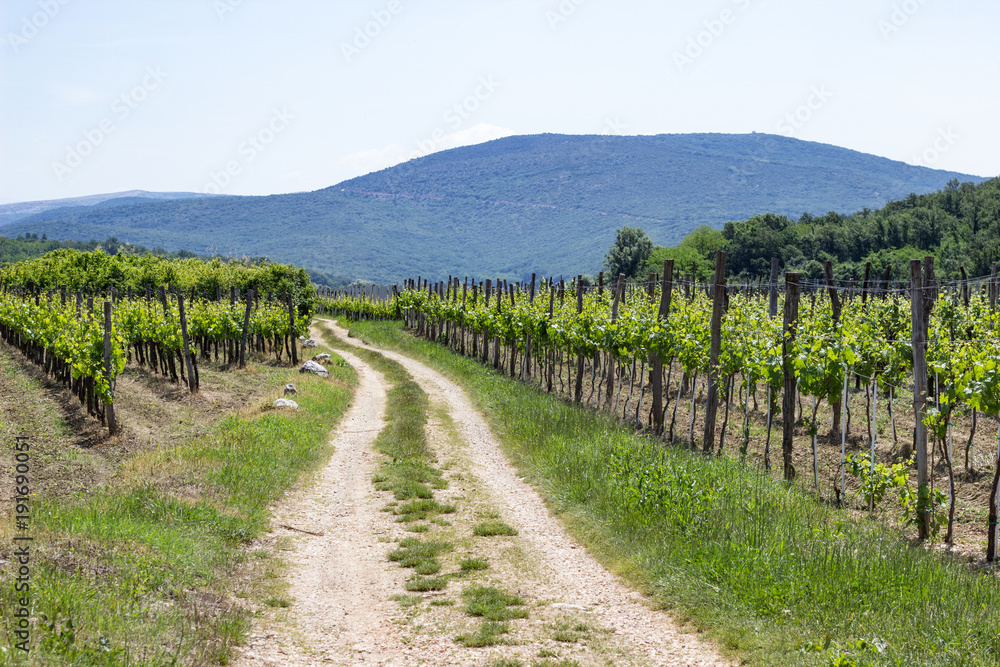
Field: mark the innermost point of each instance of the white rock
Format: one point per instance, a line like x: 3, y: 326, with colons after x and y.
x: 286, y: 403
x: 290, y: 389
x: 312, y: 367
x: 309, y: 343
x: 321, y: 358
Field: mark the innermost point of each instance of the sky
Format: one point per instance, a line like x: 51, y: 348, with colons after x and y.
x: 257, y: 97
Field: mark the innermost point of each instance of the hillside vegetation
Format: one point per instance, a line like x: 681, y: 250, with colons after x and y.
x: 506, y: 208
x: 959, y: 225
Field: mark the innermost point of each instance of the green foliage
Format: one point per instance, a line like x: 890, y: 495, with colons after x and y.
x: 493, y: 528
x: 628, y: 254
x: 29, y: 246
x: 876, y: 480
x: 959, y: 225
x: 97, y: 271
x: 492, y: 603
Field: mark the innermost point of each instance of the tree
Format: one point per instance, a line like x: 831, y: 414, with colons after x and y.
x: 629, y: 252
x: 706, y: 241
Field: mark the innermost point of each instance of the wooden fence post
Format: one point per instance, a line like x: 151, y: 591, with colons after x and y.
x: 291, y: 330
x: 789, y: 329
x: 994, y: 287
x: 656, y: 364
x: 246, y: 330
x: 109, y: 408
x: 578, y: 390
x: 773, y: 289
x: 835, y: 305
x: 918, y: 322
x: 718, y: 307
x: 186, y: 351
x: 612, y: 362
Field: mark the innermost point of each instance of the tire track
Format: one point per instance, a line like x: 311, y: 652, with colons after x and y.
x: 572, y: 578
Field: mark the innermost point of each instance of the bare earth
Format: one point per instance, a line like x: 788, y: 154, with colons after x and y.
x: 342, y: 585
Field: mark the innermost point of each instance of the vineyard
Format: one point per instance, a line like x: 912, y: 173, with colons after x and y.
x: 671, y: 356
x: 47, y: 311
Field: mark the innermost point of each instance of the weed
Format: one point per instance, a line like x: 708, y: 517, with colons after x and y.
x: 417, y: 510
x: 407, y: 600
x: 412, y: 551
x: 488, y: 634
x: 473, y: 564
x: 492, y: 603
x: 421, y: 584
x: 492, y: 528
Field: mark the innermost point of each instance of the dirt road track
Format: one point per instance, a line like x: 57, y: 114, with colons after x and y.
x: 342, y: 585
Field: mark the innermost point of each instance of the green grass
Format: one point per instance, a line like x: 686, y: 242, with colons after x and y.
x: 492, y: 603
x: 412, y: 552
x: 421, y: 584
x: 493, y: 528
x: 408, y: 600
x: 769, y: 573
x: 473, y: 564
x: 421, y: 509
x: 495, y: 607
x: 143, y: 570
x: 488, y: 633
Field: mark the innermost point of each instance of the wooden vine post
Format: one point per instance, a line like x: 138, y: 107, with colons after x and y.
x: 291, y: 330
x: 773, y: 288
x: 994, y: 287
x: 109, y: 408
x: 919, y: 341
x: 485, y: 347
x: 550, y: 370
x: 246, y: 330
x: 619, y: 288
x: 578, y: 389
x: 718, y: 308
x: 528, y: 342
x: 835, y: 305
x: 186, y: 350
x: 655, y: 363
x: 789, y: 330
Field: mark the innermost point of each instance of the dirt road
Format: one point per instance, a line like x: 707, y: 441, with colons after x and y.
x: 348, y: 603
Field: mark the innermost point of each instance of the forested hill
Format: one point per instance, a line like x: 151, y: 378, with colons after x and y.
x: 546, y: 203
x: 13, y: 212
x: 959, y: 225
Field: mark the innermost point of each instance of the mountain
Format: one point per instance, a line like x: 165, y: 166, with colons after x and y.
x: 13, y: 212
x: 546, y: 203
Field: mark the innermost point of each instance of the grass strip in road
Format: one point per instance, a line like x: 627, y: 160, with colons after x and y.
x: 142, y: 570
x: 408, y: 470
x: 772, y: 576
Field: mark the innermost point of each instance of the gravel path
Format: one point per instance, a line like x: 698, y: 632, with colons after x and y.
x: 343, y: 587
x: 574, y: 577
x: 341, y: 582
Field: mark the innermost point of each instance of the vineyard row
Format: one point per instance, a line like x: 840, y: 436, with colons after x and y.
x: 937, y: 342
x: 85, y: 352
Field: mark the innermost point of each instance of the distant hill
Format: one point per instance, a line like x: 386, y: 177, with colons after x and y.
x: 13, y: 212
x: 546, y: 203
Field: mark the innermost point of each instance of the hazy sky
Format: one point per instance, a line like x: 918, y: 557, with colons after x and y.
x: 268, y: 96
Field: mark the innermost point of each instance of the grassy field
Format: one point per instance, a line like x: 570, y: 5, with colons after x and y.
x: 143, y: 544
x: 768, y: 572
